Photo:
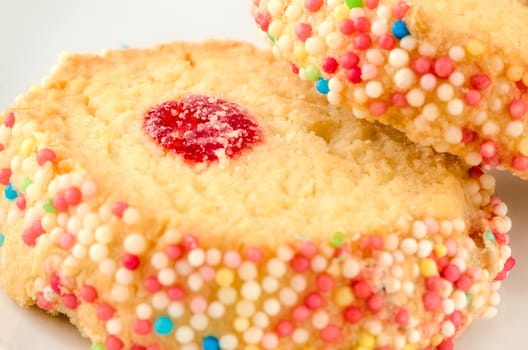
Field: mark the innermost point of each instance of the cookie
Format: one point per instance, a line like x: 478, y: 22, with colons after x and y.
x: 452, y: 75
x: 197, y: 196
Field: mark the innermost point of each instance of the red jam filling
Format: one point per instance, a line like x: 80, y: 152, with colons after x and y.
x: 202, y: 128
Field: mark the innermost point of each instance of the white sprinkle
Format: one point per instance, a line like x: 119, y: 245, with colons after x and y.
x: 457, y: 79
x: 408, y: 43
x: 213, y: 257
x: 130, y: 216
x: 375, y: 56
x: 199, y: 322
x: 473, y: 158
x: 298, y: 283
x: 453, y: 135
x: 274, y: 7
x: 379, y: 27
x: 79, y: 252
x: 318, y: 263
x: 404, y: 78
x: 183, y: 268
x: 409, y: 246
x: 413, y: 336
x: 230, y: 341
x: 159, y: 260
x: 253, y: 335
x: 293, y: 12
x: 272, y: 307
x: 356, y: 12
x: 144, y: 311
x: 384, y: 12
x: 288, y: 297
x: 184, y: 335
x: 426, y: 49
x: 448, y: 329
x: 445, y: 92
x: 351, y: 268
x: 270, y: 284
x: 124, y: 276
x: 398, y: 58
x: 457, y: 53
x: 196, y: 257
x: 424, y: 248
x: 120, y: 293
x: 325, y: 29
x: 334, y: 84
x: 408, y: 287
x: 514, y: 128
x: 98, y: 252
x: 314, y: 46
x: 320, y: 319
x: 250, y: 290
x: 334, y: 98
x: 166, y: 276
x: 227, y: 295
x: 459, y: 225
x: 334, y: 40
x: 385, y: 259
x: 419, y: 229
x: 455, y: 107
x: 374, y: 327
x: 285, y: 44
x: 247, y: 271
x: 416, y: 97
x: 261, y: 320
x: 113, y: 326
x: 284, y: 253
x: 431, y: 112
x: 448, y: 306
x: 276, y: 268
x: 216, y: 310
x: 195, y: 282
x: 160, y: 300
x: 107, y: 266
x: 103, y: 234
x: 176, y: 309
x: 300, y: 336
x: 135, y: 243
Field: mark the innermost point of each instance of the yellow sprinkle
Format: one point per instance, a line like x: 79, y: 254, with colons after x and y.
x: 523, y: 146
x: 276, y: 28
x: 409, y: 347
x: 343, y: 296
x: 475, y: 47
x: 428, y: 268
x: 436, y: 340
x: 515, y: 73
x: 240, y: 324
x: 224, y: 277
x: 367, y: 341
x: 27, y: 147
x: 440, y: 250
x: 341, y: 12
x: 300, y: 53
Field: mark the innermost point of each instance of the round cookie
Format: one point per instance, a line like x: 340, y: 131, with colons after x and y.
x: 196, y: 196
x: 451, y: 74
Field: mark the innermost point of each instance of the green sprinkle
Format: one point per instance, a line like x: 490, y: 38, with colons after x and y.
x: 48, y: 206
x: 469, y: 298
x: 354, y: 3
x: 25, y: 183
x: 312, y: 73
x: 2, y: 239
x: 271, y: 38
x: 98, y: 346
x: 490, y: 236
x: 337, y: 240
x: 124, y: 46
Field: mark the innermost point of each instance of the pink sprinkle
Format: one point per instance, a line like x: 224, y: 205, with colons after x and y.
x: 501, y: 238
x: 325, y: 282
x: 362, y: 41
x: 402, y: 317
x: 313, y: 301
x: 378, y: 107
x: 55, y: 284
x: 520, y: 163
x: 361, y: 289
x: 480, y: 81
x: 331, y: 333
x: 432, y: 225
x: 1, y: 147
x: 303, y: 31
x: 45, y: 155
x: 421, y: 65
x: 488, y: 149
x: 308, y: 249
x: 387, y: 42
x: 376, y: 242
x: 59, y: 203
x: 301, y: 313
x: 152, y: 284
x: 207, y: 273
x: 131, y: 261
x: 456, y: 318
x: 313, y: 5
x: 70, y: 301
x: 284, y: 328
x: 105, y: 312
x: 175, y: 293
x: 88, y: 293
x: 21, y: 202
x: 509, y: 264
x: 263, y: 20
x: 32, y: 233
x: 10, y: 120
x: 431, y: 301
x: 451, y: 246
x: 372, y: 4
x: 472, y: 97
x: 369, y: 71
x: 142, y: 327
x: 468, y: 135
x: 433, y: 283
x: 428, y: 82
x: 295, y: 69
x: 118, y: 208
x: 375, y: 303
x: 451, y: 273
x: 493, y: 161
x: 269, y: 341
x: 174, y: 251
x: 5, y: 175
x: 138, y: 347
x: 354, y: 75
x: 300, y: 263
x: 198, y: 305
x: 443, y: 67
x: 362, y: 24
x: 399, y: 99
x: 113, y: 343
x: 347, y: 26
x: 400, y: 9
x: 464, y: 283
x: 232, y: 259
x: 353, y: 314
x: 73, y: 196
x: 349, y: 60
x: 330, y: 65
x: 475, y: 172
x: 67, y: 241
x: 517, y: 109
x: 446, y: 344
x: 153, y: 347
x: 44, y: 303
x: 190, y: 242
x: 254, y: 254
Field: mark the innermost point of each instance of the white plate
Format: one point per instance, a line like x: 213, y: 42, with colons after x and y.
x: 32, y: 33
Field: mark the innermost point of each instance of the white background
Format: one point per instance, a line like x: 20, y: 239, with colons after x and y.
x: 33, y: 33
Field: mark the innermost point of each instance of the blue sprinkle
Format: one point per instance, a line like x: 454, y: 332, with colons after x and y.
x: 490, y: 236
x: 322, y: 86
x: 163, y: 325
x: 2, y: 239
x: 10, y: 193
x: 399, y: 29
x: 210, y: 343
